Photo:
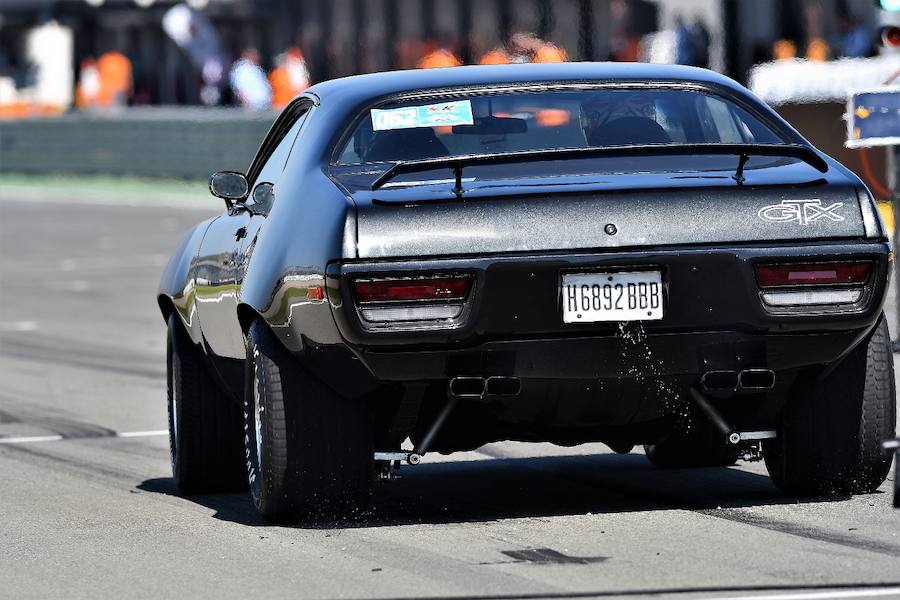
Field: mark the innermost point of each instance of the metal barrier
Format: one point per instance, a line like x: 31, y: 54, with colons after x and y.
x: 164, y: 142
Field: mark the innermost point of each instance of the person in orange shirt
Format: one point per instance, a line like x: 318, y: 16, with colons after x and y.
x: 550, y: 53
x: 289, y: 78
x: 437, y: 58
x: 524, y: 47
x: 784, y: 49
x: 817, y: 50
x: 497, y: 56
x: 114, y: 70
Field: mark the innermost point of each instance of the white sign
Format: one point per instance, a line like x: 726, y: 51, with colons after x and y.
x: 444, y: 114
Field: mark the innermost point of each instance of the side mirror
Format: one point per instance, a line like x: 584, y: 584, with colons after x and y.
x: 229, y: 186
x: 263, y: 197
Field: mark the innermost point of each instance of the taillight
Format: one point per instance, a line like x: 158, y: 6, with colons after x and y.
x: 768, y: 276
x: 432, y: 288
x: 812, y: 284
x: 429, y: 301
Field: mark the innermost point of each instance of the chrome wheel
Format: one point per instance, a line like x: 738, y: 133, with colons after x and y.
x: 174, y: 392
x: 257, y: 417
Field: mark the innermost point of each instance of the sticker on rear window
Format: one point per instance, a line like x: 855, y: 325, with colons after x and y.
x: 444, y: 114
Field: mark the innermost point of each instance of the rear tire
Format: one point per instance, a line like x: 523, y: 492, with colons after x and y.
x: 700, y: 445
x: 830, y: 436
x: 309, y: 451
x: 204, y: 424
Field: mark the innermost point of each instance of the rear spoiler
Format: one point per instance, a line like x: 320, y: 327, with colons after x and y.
x: 743, y: 151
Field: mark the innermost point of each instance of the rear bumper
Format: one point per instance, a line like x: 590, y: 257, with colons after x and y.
x: 714, y: 318
x: 614, y: 357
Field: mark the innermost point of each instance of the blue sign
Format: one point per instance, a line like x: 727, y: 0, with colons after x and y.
x: 873, y: 118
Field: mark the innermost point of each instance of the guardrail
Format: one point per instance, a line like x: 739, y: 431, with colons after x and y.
x: 160, y: 142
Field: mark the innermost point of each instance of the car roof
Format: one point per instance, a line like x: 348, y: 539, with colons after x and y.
x: 360, y: 88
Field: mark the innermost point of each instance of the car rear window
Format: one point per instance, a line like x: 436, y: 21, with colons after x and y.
x: 547, y: 120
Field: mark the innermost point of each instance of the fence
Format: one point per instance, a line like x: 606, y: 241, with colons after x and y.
x: 158, y: 142
x: 191, y: 143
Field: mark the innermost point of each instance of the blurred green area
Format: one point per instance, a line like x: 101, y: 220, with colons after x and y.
x: 107, y: 189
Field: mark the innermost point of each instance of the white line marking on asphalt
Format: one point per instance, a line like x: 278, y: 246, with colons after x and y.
x: 858, y: 593
x: 58, y: 438
x: 31, y: 439
x: 130, y: 434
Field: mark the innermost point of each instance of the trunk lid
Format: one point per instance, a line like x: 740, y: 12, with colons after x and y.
x: 782, y: 199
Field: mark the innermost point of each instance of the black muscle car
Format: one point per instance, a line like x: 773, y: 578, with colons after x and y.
x: 430, y: 261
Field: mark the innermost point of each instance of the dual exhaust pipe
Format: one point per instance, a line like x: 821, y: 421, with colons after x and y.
x: 477, y: 388
x: 748, y: 380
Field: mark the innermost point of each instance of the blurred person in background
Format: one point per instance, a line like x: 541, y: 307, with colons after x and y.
x: 211, y: 74
x: 87, y: 91
x: 625, y: 43
x: 856, y: 39
x: 114, y: 70
x: 195, y: 34
x: 524, y: 47
x: 702, y: 40
x: 684, y: 44
x: 438, y: 54
x: 289, y: 78
x: 784, y: 49
x: 527, y: 47
x: 691, y: 43
x: 817, y: 49
x: 495, y: 56
x: 249, y: 82
x: 550, y: 53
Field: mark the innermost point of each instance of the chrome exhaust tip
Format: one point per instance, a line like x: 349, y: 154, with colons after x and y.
x: 756, y: 380
x: 499, y: 385
x: 719, y: 381
x: 471, y: 388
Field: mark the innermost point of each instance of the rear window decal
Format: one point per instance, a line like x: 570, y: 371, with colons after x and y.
x: 444, y: 114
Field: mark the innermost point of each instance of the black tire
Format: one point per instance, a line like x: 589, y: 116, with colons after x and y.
x: 696, y: 444
x: 204, y: 424
x: 316, y: 446
x: 831, y: 432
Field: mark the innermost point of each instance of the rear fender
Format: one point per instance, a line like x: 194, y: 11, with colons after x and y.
x: 176, y: 288
x: 285, y: 279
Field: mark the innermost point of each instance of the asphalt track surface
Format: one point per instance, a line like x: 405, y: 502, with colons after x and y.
x: 88, y: 508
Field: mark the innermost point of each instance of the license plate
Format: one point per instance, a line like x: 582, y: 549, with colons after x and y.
x: 594, y: 297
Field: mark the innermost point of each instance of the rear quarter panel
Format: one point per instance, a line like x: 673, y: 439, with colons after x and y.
x: 303, y: 233
x: 177, y: 282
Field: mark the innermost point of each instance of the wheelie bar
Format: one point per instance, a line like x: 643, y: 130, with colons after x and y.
x: 414, y: 456
x: 749, y: 442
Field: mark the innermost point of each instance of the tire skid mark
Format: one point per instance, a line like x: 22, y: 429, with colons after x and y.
x: 747, y: 518
x: 105, y: 434
x: 69, y: 429
x: 42, y: 349
x: 54, y: 420
x: 614, y: 485
x: 135, y: 481
x: 7, y: 417
x: 66, y: 465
